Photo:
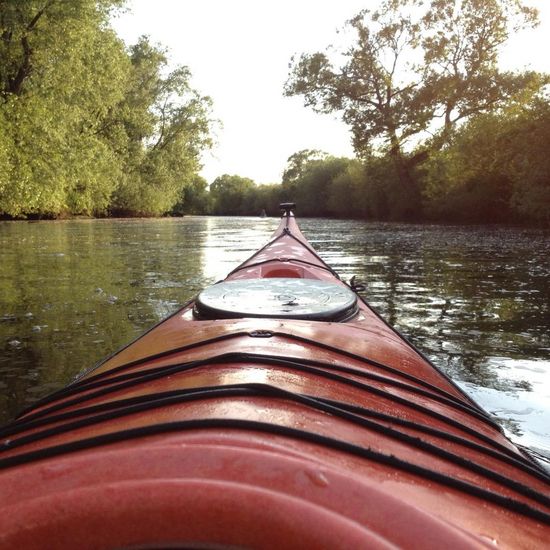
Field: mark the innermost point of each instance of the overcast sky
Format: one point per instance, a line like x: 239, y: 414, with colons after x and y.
x: 238, y: 52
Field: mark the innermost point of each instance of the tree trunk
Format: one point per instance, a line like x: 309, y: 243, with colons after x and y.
x: 409, y: 207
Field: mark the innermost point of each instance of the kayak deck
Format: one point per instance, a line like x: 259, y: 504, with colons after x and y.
x: 260, y: 428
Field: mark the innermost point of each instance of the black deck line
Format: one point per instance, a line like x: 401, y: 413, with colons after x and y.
x: 254, y: 390
x: 87, y: 383
x: 132, y: 379
x: 176, y: 396
x: 303, y: 435
x: 160, y: 372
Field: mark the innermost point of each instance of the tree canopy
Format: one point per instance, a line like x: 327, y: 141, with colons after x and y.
x: 412, y: 72
x: 166, y: 126
x: 232, y: 195
x: 440, y: 130
x: 494, y: 169
x: 87, y: 125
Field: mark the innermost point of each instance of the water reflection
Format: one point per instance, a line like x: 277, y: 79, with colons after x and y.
x: 70, y: 292
x: 229, y: 241
x: 476, y: 300
x: 520, y: 398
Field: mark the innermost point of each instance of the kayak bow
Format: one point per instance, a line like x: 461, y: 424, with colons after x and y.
x: 275, y: 410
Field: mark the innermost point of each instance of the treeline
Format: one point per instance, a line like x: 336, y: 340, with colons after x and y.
x: 441, y: 132
x: 494, y: 169
x: 88, y: 126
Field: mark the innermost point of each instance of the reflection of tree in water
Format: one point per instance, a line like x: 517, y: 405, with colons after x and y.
x: 84, y: 290
x: 28, y: 368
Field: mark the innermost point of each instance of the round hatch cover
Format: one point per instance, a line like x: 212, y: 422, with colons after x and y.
x: 277, y: 297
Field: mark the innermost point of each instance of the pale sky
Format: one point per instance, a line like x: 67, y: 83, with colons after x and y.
x: 238, y: 53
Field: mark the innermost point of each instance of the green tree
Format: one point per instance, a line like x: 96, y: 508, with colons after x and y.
x: 461, y: 54
x: 310, y: 180
x: 194, y: 199
x: 268, y: 198
x: 528, y: 163
x: 87, y: 126
x: 167, y: 126
x: 412, y: 64
x: 495, y: 169
x: 54, y: 96
x: 233, y: 195
x: 297, y: 162
x: 35, y: 35
x: 465, y: 182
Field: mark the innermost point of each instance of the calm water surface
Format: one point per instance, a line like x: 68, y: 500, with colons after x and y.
x: 476, y: 300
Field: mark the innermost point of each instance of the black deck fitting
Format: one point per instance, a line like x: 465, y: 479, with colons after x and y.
x: 287, y: 207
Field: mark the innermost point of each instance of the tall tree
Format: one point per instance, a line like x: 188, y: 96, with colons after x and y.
x: 461, y: 53
x: 53, y: 97
x: 87, y: 125
x: 411, y: 64
x: 167, y: 126
x: 297, y: 162
x: 232, y: 195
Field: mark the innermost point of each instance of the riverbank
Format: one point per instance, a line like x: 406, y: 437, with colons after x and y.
x: 425, y: 222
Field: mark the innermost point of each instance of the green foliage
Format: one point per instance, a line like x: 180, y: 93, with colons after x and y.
x: 232, y: 195
x: 348, y: 188
x: 297, y: 163
x: 528, y: 162
x: 238, y: 196
x: 166, y: 126
x: 54, y: 96
x: 496, y: 169
x: 414, y: 67
x: 313, y: 187
x: 194, y: 198
x: 461, y: 55
x: 88, y: 127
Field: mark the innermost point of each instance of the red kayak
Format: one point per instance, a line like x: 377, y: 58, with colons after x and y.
x: 275, y: 410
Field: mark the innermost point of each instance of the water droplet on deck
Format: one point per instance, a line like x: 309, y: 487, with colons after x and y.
x: 317, y: 477
x: 491, y: 540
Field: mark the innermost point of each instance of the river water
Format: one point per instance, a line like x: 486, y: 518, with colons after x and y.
x: 476, y: 300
